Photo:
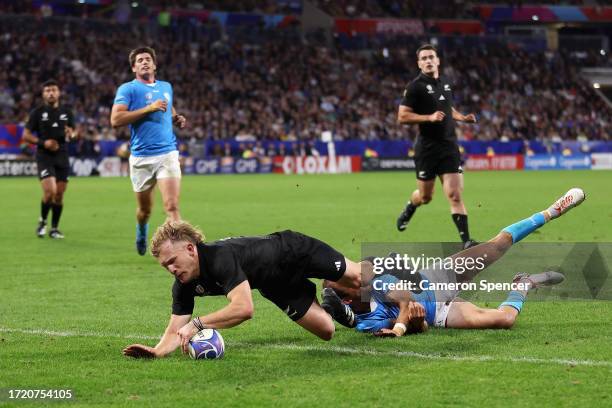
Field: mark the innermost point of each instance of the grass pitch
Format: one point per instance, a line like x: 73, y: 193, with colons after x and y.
x: 68, y: 307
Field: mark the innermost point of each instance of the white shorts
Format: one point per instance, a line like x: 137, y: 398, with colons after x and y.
x: 144, y: 171
x: 442, y: 309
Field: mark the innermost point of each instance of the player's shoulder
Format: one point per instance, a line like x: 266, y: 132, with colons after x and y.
x: 413, y: 85
x: 161, y: 82
x: 127, y: 85
x: 37, y: 110
x: 217, y: 252
x: 182, y: 289
x: 66, y: 108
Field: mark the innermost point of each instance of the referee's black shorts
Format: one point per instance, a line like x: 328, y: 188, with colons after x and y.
x: 432, y: 163
x: 57, y: 166
x: 304, y: 258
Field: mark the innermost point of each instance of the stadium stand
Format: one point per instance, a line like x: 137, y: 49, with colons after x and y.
x: 256, y: 84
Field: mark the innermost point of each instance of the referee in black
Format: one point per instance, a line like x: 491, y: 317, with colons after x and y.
x: 428, y: 101
x: 48, y: 127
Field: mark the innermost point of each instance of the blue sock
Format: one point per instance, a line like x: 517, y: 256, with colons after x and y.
x: 521, y: 229
x: 142, y: 231
x: 515, y: 300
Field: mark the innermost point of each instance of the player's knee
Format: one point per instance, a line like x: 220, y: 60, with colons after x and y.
x: 426, y: 198
x: 143, y: 212
x: 505, y: 321
x: 171, y: 206
x: 455, y: 196
x: 327, y: 332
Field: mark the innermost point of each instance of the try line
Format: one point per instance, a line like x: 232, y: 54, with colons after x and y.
x: 335, y: 349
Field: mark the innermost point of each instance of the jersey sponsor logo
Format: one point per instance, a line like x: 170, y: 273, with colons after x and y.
x: 447, y: 87
x: 63, y: 116
x: 338, y: 265
x: 200, y: 289
x: 45, y: 116
x: 442, y: 98
x: 148, y: 96
x: 290, y: 312
x: 430, y: 89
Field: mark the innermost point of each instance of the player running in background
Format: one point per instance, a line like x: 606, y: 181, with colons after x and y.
x: 395, y: 312
x: 279, y: 265
x: 146, y: 105
x: 428, y: 102
x: 48, y: 127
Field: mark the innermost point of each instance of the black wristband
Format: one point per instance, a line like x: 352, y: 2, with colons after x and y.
x: 198, y: 324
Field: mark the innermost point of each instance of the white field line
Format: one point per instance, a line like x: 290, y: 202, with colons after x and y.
x: 335, y: 349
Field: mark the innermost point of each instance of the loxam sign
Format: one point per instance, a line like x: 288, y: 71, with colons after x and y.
x: 316, y: 164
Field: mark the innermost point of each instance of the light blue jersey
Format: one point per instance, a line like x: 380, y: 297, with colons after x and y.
x: 384, y: 314
x: 151, y: 135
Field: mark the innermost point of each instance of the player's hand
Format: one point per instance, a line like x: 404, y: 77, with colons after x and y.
x: 437, y: 116
x: 158, y: 105
x: 186, y: 333
x: 417, y: 311
x: 51, y: 145
x: 139, y: 351
x: 387, y: 333
x: 470, y: 118
x: 180, y: 121
x: 70, y: 132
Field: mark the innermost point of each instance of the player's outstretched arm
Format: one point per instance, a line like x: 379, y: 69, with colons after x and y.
x: 239, y: 309
x: 169, y: 342
x: 121, y: 116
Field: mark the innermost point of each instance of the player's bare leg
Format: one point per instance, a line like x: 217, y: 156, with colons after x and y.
x: 465, y: 315
x: 56, y: 209
x: 491, y: 251
x: 452, y: 184
x: 144, y: 200
x: 318, y: 322
x: 422, y: 195
x: 49, y: 188
x: 170, y: 189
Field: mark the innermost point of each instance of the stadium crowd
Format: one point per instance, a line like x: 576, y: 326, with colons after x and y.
x: 460, y: 9
x: 278, y: 87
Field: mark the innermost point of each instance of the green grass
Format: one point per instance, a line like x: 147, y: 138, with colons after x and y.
x: 68, y: 307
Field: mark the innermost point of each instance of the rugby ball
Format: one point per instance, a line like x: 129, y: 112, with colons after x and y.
x: 206, y: 344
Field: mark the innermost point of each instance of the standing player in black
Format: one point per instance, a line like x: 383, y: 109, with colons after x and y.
x: 279, y: 265
x: 52, y: 123
x: 428, y: 101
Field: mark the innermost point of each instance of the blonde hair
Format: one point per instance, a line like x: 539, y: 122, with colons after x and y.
x: 175, y: 231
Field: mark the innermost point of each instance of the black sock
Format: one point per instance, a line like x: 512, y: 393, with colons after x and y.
x: 461, y: 221
x: 55, y: 216
x: 410, y: 208
x: 44, y: 210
